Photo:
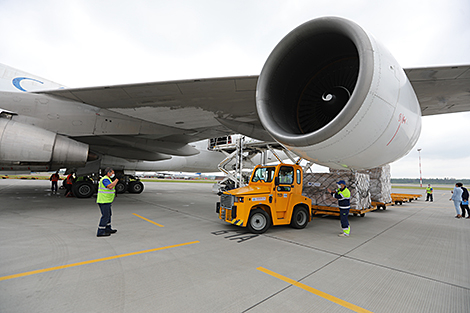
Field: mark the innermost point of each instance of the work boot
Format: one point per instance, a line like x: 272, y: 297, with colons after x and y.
x: 110, y: 231
x: 103, y: 235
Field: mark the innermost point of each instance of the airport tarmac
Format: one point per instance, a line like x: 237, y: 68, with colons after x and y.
x: 172, y: 254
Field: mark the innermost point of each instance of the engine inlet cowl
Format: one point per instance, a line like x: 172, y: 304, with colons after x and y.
x: 310, y: 79
x: 334, y: 95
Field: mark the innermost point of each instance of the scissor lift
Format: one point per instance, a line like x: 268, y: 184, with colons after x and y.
x: 238, y: 163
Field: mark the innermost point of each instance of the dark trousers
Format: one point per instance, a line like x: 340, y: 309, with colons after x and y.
x: 105, y: 221
x: 429, y: 196
x: 343, y: 215
x: 54, y: 186
x: 68, y: 189
x: 464, y: 208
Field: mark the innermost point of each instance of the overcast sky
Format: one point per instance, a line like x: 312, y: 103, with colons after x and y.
x: 98, y: 42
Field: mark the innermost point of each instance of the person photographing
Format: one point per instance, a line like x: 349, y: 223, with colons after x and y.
x: 343, y: 195
x: 106, y: 194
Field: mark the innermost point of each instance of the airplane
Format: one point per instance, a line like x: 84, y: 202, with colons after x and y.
x: 329, y: 92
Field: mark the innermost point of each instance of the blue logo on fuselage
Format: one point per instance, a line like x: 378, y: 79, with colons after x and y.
x: 17, y: 82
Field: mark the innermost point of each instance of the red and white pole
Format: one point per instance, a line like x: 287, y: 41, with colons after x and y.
x: 420, y: 176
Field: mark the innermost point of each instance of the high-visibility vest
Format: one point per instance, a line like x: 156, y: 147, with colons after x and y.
x: 69, y: 180
x: 343, y: 197
x: 429, y: 190
x: 105, y: 195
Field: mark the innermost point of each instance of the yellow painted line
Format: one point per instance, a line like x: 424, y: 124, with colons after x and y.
x: 317, y: 292
x: 150, y: 221
x: 93, y: 261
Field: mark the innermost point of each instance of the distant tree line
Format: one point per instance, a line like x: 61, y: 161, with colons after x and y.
x: 432, y: 181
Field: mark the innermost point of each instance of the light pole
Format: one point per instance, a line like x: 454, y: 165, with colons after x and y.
x: 420, y: 176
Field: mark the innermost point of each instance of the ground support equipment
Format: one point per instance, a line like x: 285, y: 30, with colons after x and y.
x: 335, y: 211
x: 399, y: 198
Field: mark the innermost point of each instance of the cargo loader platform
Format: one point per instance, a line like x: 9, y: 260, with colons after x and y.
x: 399, y: 198
x: 328, y: 210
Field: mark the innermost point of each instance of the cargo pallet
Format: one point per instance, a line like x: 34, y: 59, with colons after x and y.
x: 328, y: 210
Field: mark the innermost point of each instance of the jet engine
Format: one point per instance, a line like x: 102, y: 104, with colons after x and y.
x: 27, y: 147
x: 334, y: 95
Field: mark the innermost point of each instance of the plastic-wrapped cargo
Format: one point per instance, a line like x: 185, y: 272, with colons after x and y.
x: 316, y: 184
x: 380, y: 183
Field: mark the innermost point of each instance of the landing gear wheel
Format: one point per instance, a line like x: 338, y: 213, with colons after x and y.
x: 136, y: 187
x: 120, y: 187
x: 83, y: 189
x: 299, y: 218
x: 259, y: 221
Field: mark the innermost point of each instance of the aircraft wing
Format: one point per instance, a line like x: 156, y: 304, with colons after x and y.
x: 441, y: 89
x: 175, y: 113
x: 191, y: 106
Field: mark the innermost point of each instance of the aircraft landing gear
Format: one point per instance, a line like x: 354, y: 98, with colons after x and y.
x: 129, y: 183
x: 86, y: 187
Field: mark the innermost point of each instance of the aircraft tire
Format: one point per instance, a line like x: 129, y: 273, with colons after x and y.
x: 83, y: 189
x: 135, y: 187
x: 120, y: 187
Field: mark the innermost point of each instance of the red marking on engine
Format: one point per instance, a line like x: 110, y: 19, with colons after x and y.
x: 401, y: 120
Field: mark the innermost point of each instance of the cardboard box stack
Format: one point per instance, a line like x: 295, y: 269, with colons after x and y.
x: 380, y: 183
x: 316, y: 184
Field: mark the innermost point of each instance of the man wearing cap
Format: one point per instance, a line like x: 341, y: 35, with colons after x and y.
x: 106, y: 193
x: 343, y: 195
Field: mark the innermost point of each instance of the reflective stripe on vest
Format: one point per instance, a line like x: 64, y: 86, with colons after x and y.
x: 344, y: 202
x: 105, y: 195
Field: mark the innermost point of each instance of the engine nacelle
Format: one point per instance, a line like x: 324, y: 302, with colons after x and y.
x: 24, y: 146
x: 334, y: 95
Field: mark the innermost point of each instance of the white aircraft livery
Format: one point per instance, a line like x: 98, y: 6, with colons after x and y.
x: 329, y: 92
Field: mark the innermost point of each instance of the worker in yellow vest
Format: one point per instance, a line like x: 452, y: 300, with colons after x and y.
x: 344, y: 202
x: 105, y: 198
x: 429, y: 193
